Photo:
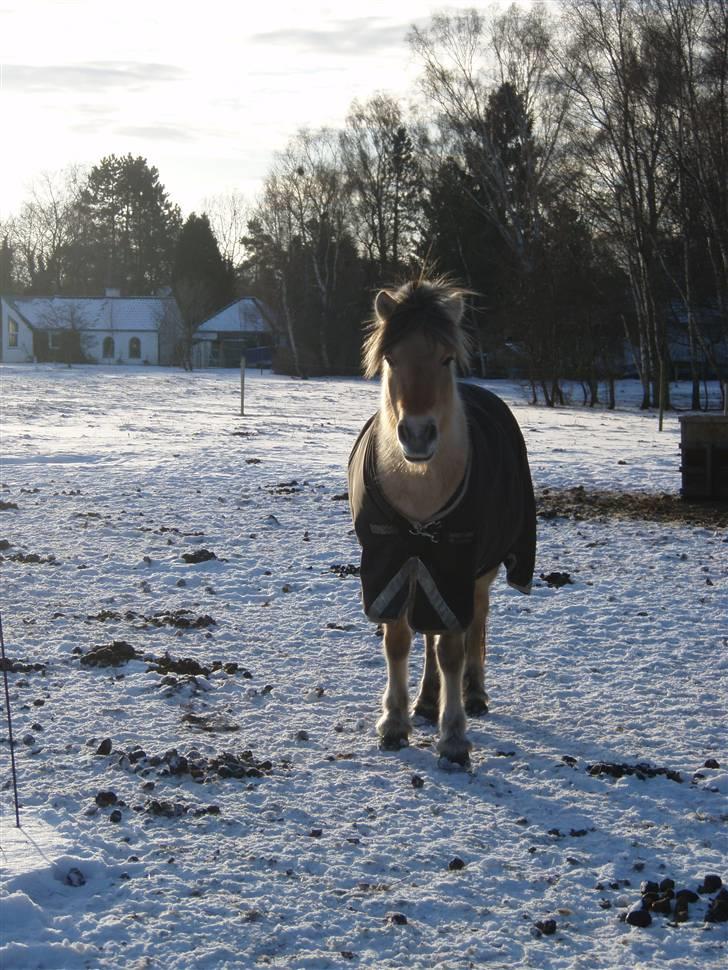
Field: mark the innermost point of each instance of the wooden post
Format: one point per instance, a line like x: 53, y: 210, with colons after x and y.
x: 242, y: 385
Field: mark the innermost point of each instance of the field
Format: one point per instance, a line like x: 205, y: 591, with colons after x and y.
x: 209, y: 785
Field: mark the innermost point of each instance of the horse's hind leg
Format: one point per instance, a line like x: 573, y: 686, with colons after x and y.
x: 476, y: 699
x: 453, y: 743
x: 427, y: 702
x: 394, y: 725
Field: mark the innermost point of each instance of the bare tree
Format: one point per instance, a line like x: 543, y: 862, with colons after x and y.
x: 386, y: 180
x: 68, y: 322
x: 467, y: 60
x: 617, y: 74
x: 45, y: 230
x: 229, y: 213
x: 296, y: 238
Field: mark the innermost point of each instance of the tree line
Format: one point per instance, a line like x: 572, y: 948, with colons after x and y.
x: 568, y: 163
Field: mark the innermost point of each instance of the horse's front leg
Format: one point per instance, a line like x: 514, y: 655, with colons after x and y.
x: 394, y: 725
x: 453, y: 743
x: 427, y: 702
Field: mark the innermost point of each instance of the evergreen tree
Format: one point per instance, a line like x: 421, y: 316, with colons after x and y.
x: 202, y: 281
x: 130, y: 227
x: 7, y: 267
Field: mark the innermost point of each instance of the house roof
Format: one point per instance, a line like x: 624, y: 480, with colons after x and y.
x: 91, y: 313
x: 243, y: 316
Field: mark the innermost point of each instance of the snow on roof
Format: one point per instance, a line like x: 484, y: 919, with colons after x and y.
x: 92, y: 313
x: 243, y: 316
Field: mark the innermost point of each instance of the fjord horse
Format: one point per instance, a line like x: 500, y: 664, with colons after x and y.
x: 441, y: 495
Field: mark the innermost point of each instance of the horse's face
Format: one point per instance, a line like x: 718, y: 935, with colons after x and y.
x: 419, y: 381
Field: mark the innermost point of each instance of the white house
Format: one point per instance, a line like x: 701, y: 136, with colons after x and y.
x: 110, y: 329
x: 241, y: 328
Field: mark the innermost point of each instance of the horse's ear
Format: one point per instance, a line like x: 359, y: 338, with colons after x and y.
x: 384, y: 305
x: 454, y: 307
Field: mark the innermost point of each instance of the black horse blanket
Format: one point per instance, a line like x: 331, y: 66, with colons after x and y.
x: 428, y: 570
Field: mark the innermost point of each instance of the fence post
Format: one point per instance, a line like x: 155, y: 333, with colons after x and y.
x: 242, y: 385
x: 11, y: 740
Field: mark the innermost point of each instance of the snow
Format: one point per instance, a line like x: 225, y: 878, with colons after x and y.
x: 118, y: 472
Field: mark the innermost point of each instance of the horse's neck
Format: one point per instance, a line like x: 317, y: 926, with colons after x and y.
x: 419, y: 490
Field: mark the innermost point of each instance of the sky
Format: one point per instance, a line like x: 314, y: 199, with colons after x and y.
x: 206, y: 92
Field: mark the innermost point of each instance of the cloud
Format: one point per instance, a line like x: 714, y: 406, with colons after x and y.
x: 92, y: 75
x: 159, y: 132
x: 360, y: 36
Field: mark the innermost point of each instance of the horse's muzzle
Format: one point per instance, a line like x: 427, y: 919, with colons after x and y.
x: 417, y: 437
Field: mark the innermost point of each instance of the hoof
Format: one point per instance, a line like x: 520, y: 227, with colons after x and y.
x: 449, y: 764
x: 393, y: 742
x: 428, y: 712
x: 476, y: 706
x: 457, y: 753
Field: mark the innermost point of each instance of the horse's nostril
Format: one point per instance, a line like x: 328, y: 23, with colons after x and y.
x: 417, y: 435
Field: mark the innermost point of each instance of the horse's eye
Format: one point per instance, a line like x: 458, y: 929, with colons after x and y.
x: 447, y: 361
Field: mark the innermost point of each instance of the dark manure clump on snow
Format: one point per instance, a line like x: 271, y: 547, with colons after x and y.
x: 112, y: 654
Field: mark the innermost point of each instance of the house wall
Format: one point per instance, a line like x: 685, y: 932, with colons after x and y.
x: 93, y: 346
x: 23, y: 352
x: 201, y: 354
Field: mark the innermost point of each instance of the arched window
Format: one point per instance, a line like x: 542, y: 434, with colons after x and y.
x: 135, y: 348
x: 108, y: 350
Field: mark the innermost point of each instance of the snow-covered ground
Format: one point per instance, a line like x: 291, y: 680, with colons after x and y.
x: 328, y: 852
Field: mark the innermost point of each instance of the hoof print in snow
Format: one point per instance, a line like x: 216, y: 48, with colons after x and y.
x: 74, y: 877
x: 711, y: 763
x: 301, y: 736
x: 546, y: 927
x: 417, y: 781
x: 8, y: 506
x: 456, y: 864
x: 397, y: 919
x: 556, y: 580
x: 113, y: 654
x: 105, y: 798
x: 105, y: 747
x: 115, y: 816
x: 199, y: 555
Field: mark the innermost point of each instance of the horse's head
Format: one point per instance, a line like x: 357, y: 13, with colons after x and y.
x: 416, y: 340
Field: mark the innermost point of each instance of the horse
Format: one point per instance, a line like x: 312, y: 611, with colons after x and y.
x: 440, y: 495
